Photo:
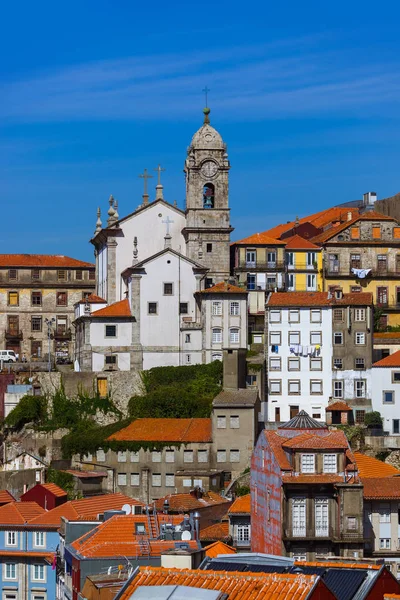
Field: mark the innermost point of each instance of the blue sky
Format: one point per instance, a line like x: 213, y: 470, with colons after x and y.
x: 306, y: 95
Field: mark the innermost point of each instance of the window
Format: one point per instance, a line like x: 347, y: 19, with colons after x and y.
x: 338, y: 363
x: 216, y: 356
x: 396, y: 377
x: 36, y: 324
x: 221, y: 456
x: 311, y: 282
x: 294, y: 315
x: 61, y: 298
x: 208, y: 283
x: 188, y: 359
x: 291, y: 282
x: 277, y: 413
x: 36, y: 349
x: 39, y: 539
x: 338, y: 338
x: 183, y: 308
x: 62, y: 275
x: 234, y: 308
x: 308, y: 463
x: 384, y: 513
x: 376, y: 232
x: 234, y: 422
x: 338, y: 389
x: 274, y: 316
x: 79, y: 274
x: 234, y: 456
x: 92, y: 275
x: 384, y: 543
x: 315, y: 315
x: 271, y: 259
x: 352, y: 523
x: 293, y: 363
x: 354, y: 289
x: 382, y: 263
x: 110, y: 331
x: 135, y: 479
x: 156, y: 456
x: 152, y: 308
x: 275, y: 338
x: 243, y: 534
x: 188, y: 456
x: 11, y: 538
x: 216, y: 308
x: 35, y: 274
x: 311, y: 259
x: 316, y: 337
x: 187, y: 338
x: 251, y: 380
x: 275, y: 386
x: 121, y: 456
x: 290, y: 259
x: 396, y: 425
x: 100, y: 455
x: 315, y: 364
x: 360, y: 388
x: 10, y: 571
x: 330, y: 463
x: 12, y: 274
x: 121, y: 478
x: 388, y: 397
x: 38, y: 573
x: 221, y: 422
x: 355, y: 233
x: 275, y: 363
x: 168, y: 289
x: 169, y: 480
x: 202, y: 456
x: 299, y: 517
x: 360, y: 416
x: 217, y: 335
x: 338, y: 315
x: 359, y: 314
x: 111, y: 359
x: 156, y: 480
x: 234, y: 336
x: 170, y: 456
x: 359, y: 363
x: 293, y: 386
x: 316, y: 415
x: 315, y: 386
x: 208, y: 247
x: 294, y: 338
x: 321, y: 517
x: 187, y: 483
x: 250, y: 258
x: 251, y: 281
x: 135, y: 457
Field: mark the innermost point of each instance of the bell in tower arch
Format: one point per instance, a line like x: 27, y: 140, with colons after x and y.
x: 208, y: 195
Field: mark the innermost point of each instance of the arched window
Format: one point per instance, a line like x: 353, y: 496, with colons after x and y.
x: 208, y: 195
x: 216, y: 356
x: 217, y: 335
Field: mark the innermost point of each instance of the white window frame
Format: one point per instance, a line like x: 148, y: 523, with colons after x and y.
x: 311, y: 282
x: 216, y: 308
x: 330, y: 463
x: 338, y: 333
x: 360, y: 338
x: 216, y: 333
x: 337, y: 361
x: 221, y: 421
x: 234, y: 335
x: 39, y: 536
x: 338, y: 388
x: 321, y: 509
x: 299, y: 517
x: 15, y: 571
x: 234, y: 308
x: 41, y: 568
x: 243, y: 532
x: 307, y: 462
x: 384, y: 543
x: 360, y: 388
x: 359, y: 314
x: 11, y: 539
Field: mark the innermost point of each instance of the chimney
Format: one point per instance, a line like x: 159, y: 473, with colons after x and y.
x: 234, y: 369
x: 369, y: 199
x: 349, y: 216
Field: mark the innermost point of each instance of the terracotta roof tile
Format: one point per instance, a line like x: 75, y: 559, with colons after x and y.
x: 224, y: 288
x: 368, y: 216
x: 387, y: 335
x: 217, y: 548
x: 5, y: 497
x: 354, y: 299
x: 236, y: 585
x: 241, y: 505
x: 320, y: 219
x: 393, y: 360
x: 19, y: 513
x: 118, y: 309
x: 215, y: 532
x: 260, y: 239
x: 296, y: 242
x: 372, y: 467
x: 338, y: 405
x: 275, y: 441
x: 93, y: 299
x: 54, y: 489
x: 299, y: 299
x: 318, y: 479
x: 19, y: 554
x: 165, y: 430
x: 85, y: 474
x: 337, y: 564
x: 41, y: 260
x: 187, y: 502
x: 381, y: 488
x: 334, y: 440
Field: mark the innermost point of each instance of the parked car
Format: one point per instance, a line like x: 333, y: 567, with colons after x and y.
x: 8, y: 356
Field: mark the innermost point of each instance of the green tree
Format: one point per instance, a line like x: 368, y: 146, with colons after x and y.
x: 373, y: 420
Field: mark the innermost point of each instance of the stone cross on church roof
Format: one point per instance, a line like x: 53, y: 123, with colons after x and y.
x: 167, y: 237
x: 159, y: 187
x: 145, y: 176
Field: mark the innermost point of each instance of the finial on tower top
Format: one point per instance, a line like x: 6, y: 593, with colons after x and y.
x: 206, y: 110
x: 98, y: 222
x: 111, y: 212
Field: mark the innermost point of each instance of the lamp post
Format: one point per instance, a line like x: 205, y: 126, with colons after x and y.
x: 49, y: 323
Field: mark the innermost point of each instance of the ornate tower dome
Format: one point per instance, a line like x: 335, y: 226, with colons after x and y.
x: 207, y: 138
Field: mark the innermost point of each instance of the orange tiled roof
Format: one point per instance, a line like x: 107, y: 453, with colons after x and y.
x: 381, y: 488
x: 41, y: 260
x: 187, y: 502
x: 275, y: 441
x: 260, y: 239
x: 391, y: 597
x: 217, y: 531
x: 393, y: 360
x: 338, y: 405
x: 354, y: 299
x: 319, y: 479
x: 341, y: 565
x: 165, y: 430
x: 296, y: 242
x: 19, y: 554
x: 320, y: 220
x: 334, y: 439
x: 299, y: 299
x: 386, y: 334
x: 372, y: 467
x: 217, y: 548
x: 118, y: 309
x: 241, y: 505
x: 243, y: 586
x: 368, y: 216
x: 93, y: 299
x: 19, y: 513
x: 5, y: 496
x: 54, y: 489
x: 224, y: 288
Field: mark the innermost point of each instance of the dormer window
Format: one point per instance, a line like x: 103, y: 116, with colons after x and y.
x: 330, y: 463
x: 308, y: 463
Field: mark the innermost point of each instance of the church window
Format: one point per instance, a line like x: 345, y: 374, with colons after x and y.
x: 111, y: 331
x: 152, y: 308
x: 208, y: 195
x: 183, y: 308
x: 168, y: 289
x: 217, y: 335
x: 209, y: 247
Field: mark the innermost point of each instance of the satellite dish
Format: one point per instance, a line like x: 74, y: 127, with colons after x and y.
x: 186, y: 536
x: 127, y: 509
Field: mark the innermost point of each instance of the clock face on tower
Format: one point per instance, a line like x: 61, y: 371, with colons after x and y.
x: 209, y: 168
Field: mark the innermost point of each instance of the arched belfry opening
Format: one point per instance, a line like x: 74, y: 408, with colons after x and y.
x: 208, y: 195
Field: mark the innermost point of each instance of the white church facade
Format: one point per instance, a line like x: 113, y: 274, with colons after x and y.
x: 163, y: 295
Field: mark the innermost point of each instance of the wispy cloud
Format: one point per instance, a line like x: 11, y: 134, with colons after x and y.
x: 281, y: 79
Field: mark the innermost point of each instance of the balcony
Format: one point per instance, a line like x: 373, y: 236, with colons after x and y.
x: 189, y: 323
x: 13, y: 334
x: 330, y: 533
x: 379, y: 272
x: 62, y: 334
x: 265, y: 287
x: 239, y: 543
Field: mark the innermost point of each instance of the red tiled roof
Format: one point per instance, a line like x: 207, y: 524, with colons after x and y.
x: 299, y: 299
x: 381, y: 488
x: 241, y: 505
x: 393, y: 360
x: 338, y: 564
x: 118, y: 309
x: 354, y: 299
x: 260, y: 239
x: 224, y: 288
x: 334, y: 440
x: 217, y: 548
x: 41, y: 260
x: 275, y: 441
x: 165, y: 430
x: 85, y: 474
x: 19, y: 513
x: 296, y: 242
x: 338, y: 405
x: 217, y: 531
x: 54, y: 489
x: 187, y: 502
x: 368, y: 216
x: 93, y: 299
x: 5, y: 496
x: 318, y: 479
x: 372, y: 467
x: 320, y: 219
x: 236, y: 585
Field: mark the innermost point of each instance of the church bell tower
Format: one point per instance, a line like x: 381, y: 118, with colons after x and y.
x: 208, y: 229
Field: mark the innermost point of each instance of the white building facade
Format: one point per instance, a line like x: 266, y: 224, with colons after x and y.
x: 386, y: 392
